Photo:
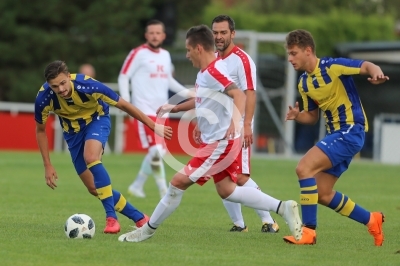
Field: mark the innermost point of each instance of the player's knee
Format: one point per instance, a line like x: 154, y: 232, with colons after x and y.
x: 181, y: 181
x: 242, y: 179
x: 302, y: 171
x: 90, y: 158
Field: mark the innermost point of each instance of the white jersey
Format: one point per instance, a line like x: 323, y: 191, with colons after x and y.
x: 214, y: 108
x: 150, y: 75
x: 241, y: 68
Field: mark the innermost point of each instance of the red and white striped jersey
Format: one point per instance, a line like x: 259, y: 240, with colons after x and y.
x: 213, y: 107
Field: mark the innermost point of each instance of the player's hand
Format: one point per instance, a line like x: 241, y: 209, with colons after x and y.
x: 197, y: 135
x: 163, y: 131
x: 248, y: 136
x: 164, y: 109
x: 233, y: 130
x: 378, y: 78
x: 51, y: 176
x: 293, y: 112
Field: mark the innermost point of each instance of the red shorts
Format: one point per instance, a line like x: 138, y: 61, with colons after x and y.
x: 217, y: 160
x: 244, y: 161
x: 146, y: 136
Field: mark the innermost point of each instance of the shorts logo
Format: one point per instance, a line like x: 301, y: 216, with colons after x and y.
x: 95, y: 134
x: 323, y: 142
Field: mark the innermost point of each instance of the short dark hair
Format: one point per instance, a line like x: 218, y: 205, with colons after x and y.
x: 301, y: 38
x: 154, y: 22
x: 222, y: 18
x: 201, y: 35
x: 54, y: 69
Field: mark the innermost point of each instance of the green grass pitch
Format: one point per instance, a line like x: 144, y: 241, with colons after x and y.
x: 33, y: 217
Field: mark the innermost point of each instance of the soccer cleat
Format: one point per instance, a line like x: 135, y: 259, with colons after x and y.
x: 290, y: 213
x: 112, y: 226
x: 136, y: 192
x: 309, y: 238
x: 144, y: 220
x: 138, y: 234
x: 270, y: 228
x: 375, y: 227
x: 236, y: 228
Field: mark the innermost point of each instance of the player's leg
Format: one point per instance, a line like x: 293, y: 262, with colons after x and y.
x: 121, y: 205
x: 254, y: 198
x: 167, y: 205
x: 268, y: 223
x: 313, y: 162
x: 136, y: 188
x: 235, y: 213
x: 96, y: 136
x: 158, y: 169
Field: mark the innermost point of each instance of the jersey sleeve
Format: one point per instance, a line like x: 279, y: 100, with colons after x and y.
x: 218, y: 78
x: 247, y: 74
x: 43, y: 106
x: 346, y: 66
x: 102, y: 92
x: 129, y: 67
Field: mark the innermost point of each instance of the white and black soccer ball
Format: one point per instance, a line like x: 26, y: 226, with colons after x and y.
x: 79, y: 225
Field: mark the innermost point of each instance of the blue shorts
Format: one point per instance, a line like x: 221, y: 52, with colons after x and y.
x: 341, y: 146
x: 99, y: 129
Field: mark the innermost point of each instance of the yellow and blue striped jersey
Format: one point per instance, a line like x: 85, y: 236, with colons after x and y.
x: 90, y: 98
x: 331, y: 88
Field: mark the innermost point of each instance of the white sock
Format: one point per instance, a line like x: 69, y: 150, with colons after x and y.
x: 264, y: 215
x: 166, y: 206
x: 254, y: 198
x: 144, y: 172
x: 235, y: 212
x: 159, y: 177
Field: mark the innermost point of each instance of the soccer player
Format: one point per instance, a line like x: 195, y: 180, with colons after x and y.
x: 82, y: 106
x: 148, y: 69
x: 219, y: 106
x: 327, y: 84
x: 242, y: 70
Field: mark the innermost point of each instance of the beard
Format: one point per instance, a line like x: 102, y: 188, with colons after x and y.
x: 223, y: 48
x: 154, y: 46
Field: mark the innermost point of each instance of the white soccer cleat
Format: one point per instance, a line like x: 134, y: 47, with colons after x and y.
x: 292, y: 218
x: 136, y: 192
x: 138, y: 234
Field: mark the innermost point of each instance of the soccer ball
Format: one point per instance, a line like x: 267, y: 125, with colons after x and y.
x: 79, y: 225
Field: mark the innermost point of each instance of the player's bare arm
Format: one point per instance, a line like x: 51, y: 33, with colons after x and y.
x: 239, y: 100
x: 374, y: 71
x: 170, y: 108
x: 303, y: 117
x: 248, y: 117
x: 50, y: 172
x: 163, y: 131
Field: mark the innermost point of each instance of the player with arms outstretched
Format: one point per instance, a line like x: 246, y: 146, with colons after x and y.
x: 242, y: 70
x: 327, y: 85
x: 219, y: 106
x: 82, y: 106
x: 148, y: 69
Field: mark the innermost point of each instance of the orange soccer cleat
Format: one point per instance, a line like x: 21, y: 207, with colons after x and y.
x: 309, y: 238
x: 375, y: 227
x: 112, y: 226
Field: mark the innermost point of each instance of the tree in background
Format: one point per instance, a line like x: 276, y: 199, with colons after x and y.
x: 99, y: 32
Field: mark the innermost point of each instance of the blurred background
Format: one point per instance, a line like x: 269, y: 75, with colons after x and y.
x: 102, y: 32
